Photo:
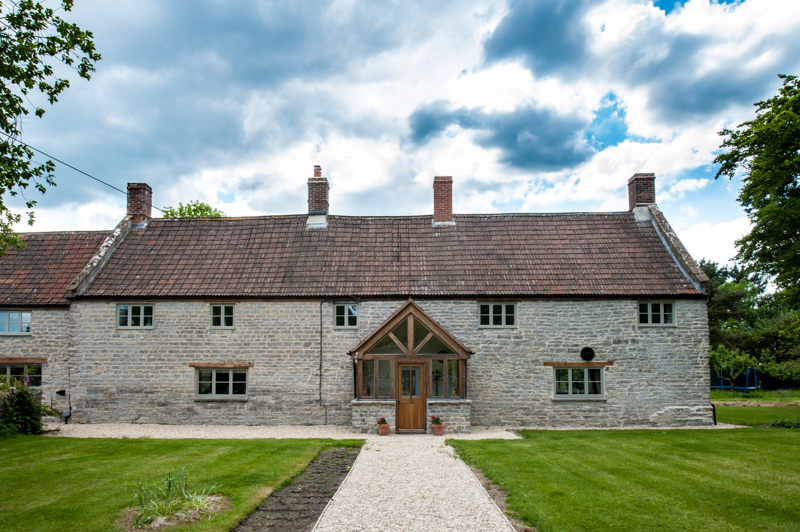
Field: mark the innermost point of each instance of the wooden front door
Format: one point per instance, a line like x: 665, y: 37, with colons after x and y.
x: 411, y: 398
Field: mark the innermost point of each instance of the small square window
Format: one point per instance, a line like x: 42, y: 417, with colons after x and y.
x: 656, y: 313
x: 222, y: 316
x: 15, y: 322
x: 497, y: 314
x: 135, y: 316
x: 345, y: 315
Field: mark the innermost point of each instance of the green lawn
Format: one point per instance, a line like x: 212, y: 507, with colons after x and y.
x: 83, y: 484
x: 755, y: 415
x: 647, y: 480
x: 756, y: 395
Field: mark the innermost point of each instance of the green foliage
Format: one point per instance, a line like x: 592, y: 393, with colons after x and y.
x: 31, y: 36
x: 21, y: 409
x: 167, y: 497
x: 767, y: 149
x: 674, y: 480
x: 732, y: 362
x: 193, y: 209
x: 784, y: 424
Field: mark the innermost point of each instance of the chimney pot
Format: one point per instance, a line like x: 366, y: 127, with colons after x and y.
x: 641, y: 190
x: 443, y: 200
x: 140, y: 202
x: 317, y: 170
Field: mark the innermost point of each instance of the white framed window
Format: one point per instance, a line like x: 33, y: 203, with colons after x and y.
x: 345, y: 315
x: 497, y: 314
x: 578, y: 382
x: 656, y: 313
x: 135, y: 316
x: 15, y: 321
x: 224, y: 383
x: 19, y: 371
x: 222, y: 316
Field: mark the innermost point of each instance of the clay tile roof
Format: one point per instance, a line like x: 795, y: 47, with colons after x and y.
x: 39, y: 273
x: 511, y: 255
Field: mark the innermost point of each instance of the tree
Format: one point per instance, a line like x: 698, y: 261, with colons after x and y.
x: 732, y: 362
x: 32, y: 36
x: 193, y: 209
x: 768, y: 150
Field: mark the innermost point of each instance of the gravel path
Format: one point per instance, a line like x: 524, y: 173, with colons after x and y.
x: 411, y: 483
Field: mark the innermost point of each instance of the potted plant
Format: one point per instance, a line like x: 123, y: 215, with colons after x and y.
x: 438, y: 427
x: 383, y: 427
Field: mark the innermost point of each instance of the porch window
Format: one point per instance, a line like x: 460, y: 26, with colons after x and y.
x: 221, y: 383
x: 445, y: 378
x: 13, y: 372
x: 656, y: 313
x: 15, y: 322
x: 497, y: 314
x: 377, y: 378
x: 578, y: 382
x: 135, y: 316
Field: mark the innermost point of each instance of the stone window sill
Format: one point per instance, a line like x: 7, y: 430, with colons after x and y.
x: 368, y: 401
x: 578, y: 399
x: 220, y: 400
x: 443, y: 400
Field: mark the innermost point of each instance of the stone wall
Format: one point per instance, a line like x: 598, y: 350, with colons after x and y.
x: 659, y: 374
x: 49, y: 338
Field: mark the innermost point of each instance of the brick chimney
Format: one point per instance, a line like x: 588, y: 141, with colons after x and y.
x: 140, y: 203
x: 443, y: 200
x: 641, y: 190
x: 317, y: 199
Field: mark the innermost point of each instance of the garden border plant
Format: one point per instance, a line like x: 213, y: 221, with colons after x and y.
x: 21, y: 408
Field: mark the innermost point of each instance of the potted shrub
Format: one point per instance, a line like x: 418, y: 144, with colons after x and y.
x: 383, y: 427
x: 438, y: 427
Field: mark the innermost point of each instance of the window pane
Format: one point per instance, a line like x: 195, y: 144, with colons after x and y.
x: 223, y: 375
x: 26, y: 322
x: 416, y: 375
x: 239, y: 376
x: 352, y: 315
x: 453, y: 388
x: 562, y: 375
x: 204, y: 375
x: 405, y: 382
x: 239, y: 388
x: 17, y: 371
x: 510, y: 314
x: 384, y: 378
x: 485, y: 318
x: 497, y: 314
x: 668, y: 313
x: 386, y: 347
x: 340, y: 310
x: 13, y: 322
x: 562, y: 388
x: 147, y: 320
x: 595, y: 388
x: 228, y: 315
x: 222, y: 388
x: 34, y: 372
x: 655, y: 312
x: 340, y: 321
x: 401, y: 332
x: 644, y: 313
x: 437, y: 378
x: 122, y: 311
x: 3, y: 322
x: 204, y: 388
x: 216, y: 310
x: 368, y: 379
x: 577, y: 375
x: 420, y: 332
x: 434, y: 346
x: 578, y: 388
x: 216, y: 321
x: 595, y: 384
x: 136, y: 319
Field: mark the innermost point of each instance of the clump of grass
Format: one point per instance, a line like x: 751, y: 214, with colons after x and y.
x: 169, y: 496
x: 784, y: 424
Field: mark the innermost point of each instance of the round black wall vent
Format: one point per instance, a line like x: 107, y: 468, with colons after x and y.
x: 587, y: 353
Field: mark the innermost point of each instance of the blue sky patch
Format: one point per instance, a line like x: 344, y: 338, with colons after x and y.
x: 608, y: 127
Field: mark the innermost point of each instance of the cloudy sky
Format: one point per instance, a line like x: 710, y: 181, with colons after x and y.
x: 538, y: 106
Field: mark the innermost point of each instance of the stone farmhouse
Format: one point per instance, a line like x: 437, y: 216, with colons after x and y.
x: 517, y: 320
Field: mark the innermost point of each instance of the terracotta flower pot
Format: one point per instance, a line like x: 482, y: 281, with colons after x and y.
x: 383, y: 430
x: 438, y: 430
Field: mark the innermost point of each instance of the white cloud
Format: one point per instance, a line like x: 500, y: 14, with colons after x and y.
x: 714, y: 241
